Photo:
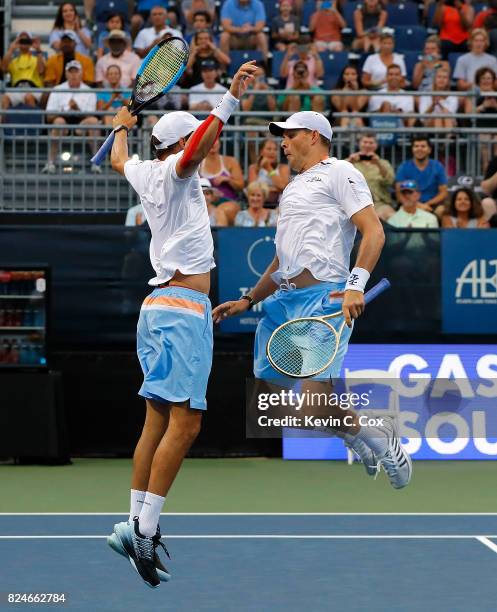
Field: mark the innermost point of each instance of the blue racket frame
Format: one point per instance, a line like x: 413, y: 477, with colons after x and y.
x: 106, y: 147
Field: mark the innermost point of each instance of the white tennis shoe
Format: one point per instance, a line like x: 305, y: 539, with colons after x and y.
x: 364, y: 453
x: 395, y: 460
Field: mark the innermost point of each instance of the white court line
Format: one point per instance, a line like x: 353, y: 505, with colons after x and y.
x: 484, y: 540
x: 264, y: 537
x: 255, y: 513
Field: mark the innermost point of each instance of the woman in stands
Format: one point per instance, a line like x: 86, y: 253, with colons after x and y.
x: 67, y: 18
x: 349, y: 80
x: 485, y: 83
x: 369, y: 19
x: 268, y: 171
x: 256, y: 215
x: 446, y: 105
x: 225, y: 174
x: 203, y: 48
x: 424, y: 71
x: 114, y: 22
x: 464, y: 211
x: 454, y: 19
x: 374, y: 71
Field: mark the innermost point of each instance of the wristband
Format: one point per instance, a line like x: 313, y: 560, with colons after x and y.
x: 249, y: 299
x: 121, y: 127
x: 224, y: 109
x: 357, y: 280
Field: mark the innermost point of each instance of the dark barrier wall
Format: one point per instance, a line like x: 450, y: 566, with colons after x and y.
x: 100, y: 274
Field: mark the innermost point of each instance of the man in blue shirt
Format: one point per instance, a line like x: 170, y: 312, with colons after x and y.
x: 429, y: 175
x: 243, y: 22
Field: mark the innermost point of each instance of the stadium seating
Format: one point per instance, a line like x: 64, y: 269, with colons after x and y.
x: 309, y: 9
x: 239, y: 57
x: 403, y: 14
x: 410, y: 38
x: 411, y: 58
x: 453, y: 57
x: 334, y: 63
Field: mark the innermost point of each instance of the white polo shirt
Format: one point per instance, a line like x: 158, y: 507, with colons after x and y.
x: 402, y: 103
x: 177, y: 215
x: 58, y: 101
x: 314, y: 230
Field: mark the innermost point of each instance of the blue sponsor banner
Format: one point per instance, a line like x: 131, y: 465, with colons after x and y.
x: 417, y: 363
x: 469, y: 281
x: 243, y: 254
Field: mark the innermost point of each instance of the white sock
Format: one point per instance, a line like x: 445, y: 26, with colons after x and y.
x: 376, y: 439
x: 136, y: 503
x: 150, y: 514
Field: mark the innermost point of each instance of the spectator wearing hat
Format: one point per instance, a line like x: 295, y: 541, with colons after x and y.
x: 217, y: 216
x: 374, y: 71
x: 464, y: 210
x: 383, y: 102
x: 61, y: 107
x: 114, y: 22
x: 67, y: 19
x: 285, y: 28
x: 209, y: 93
x: 256, y: 215
x: 326, y: 25
x: 128, y: 62
x: 468, y: 64
x: 411, y: 213
x: 202, y: 48
x: 56, y: 64
x: 25, y: 64
x: 243, y: 23
x: 428, y: 174
x: 149, y: 37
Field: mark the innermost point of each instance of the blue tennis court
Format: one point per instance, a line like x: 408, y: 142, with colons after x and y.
x: 268, y: 562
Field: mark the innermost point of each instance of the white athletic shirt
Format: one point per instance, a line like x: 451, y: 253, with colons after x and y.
x: 314, y: 230
x: 177, y: 215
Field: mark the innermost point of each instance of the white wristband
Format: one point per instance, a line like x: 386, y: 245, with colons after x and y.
x: 227, y: 105
x: 357, y: 280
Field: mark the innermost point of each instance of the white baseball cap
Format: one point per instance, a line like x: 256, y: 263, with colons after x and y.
x: 74, y: 64
x: 305, y: 120
x: 173, y: 126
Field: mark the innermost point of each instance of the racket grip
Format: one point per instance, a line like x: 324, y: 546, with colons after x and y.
x: 102, y: 153
x: 375, y: 291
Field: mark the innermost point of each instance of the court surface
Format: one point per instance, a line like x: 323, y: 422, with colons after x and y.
x: 262, y: 562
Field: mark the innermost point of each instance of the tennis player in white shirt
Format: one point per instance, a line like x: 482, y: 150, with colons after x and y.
x: 174, y: 336
x: 319, y: 212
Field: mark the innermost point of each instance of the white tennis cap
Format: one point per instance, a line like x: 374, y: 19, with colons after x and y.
x: 173, y: 126
x: 307, y: 120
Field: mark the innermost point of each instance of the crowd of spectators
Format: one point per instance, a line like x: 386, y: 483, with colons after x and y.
x: 102, y: 47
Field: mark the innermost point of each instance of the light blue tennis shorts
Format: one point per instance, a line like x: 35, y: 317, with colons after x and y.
x: 286, y: 304
x: 174, y: 345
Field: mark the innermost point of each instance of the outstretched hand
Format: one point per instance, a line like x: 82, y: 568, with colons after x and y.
x: 229, y: 309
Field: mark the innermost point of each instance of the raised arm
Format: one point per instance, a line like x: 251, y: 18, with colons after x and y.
x: 201, y: 141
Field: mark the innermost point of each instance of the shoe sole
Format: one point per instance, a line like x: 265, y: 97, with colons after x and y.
x: 115, y: 543
x: 122, y: 538
x: 406, y: 454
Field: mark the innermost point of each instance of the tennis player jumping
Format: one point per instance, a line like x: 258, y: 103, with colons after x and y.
x: 320, y: 210
x: 174, y: 336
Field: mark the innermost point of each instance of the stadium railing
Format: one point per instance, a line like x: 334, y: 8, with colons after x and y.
x: 24, y: 147
x: 6, y: 19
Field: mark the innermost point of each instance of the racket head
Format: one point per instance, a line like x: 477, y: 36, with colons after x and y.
x: 160, y: 70
x: 304, y: 347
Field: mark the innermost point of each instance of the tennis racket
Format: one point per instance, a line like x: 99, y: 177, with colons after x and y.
x: 304, y: 347
x: 158, y: 73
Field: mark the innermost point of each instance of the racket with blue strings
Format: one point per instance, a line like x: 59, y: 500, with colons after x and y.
x: 159, y: 72
x: 304, y: 347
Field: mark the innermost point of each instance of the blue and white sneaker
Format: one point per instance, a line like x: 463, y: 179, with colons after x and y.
x: 123, y: 532
x: 395, y: 460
